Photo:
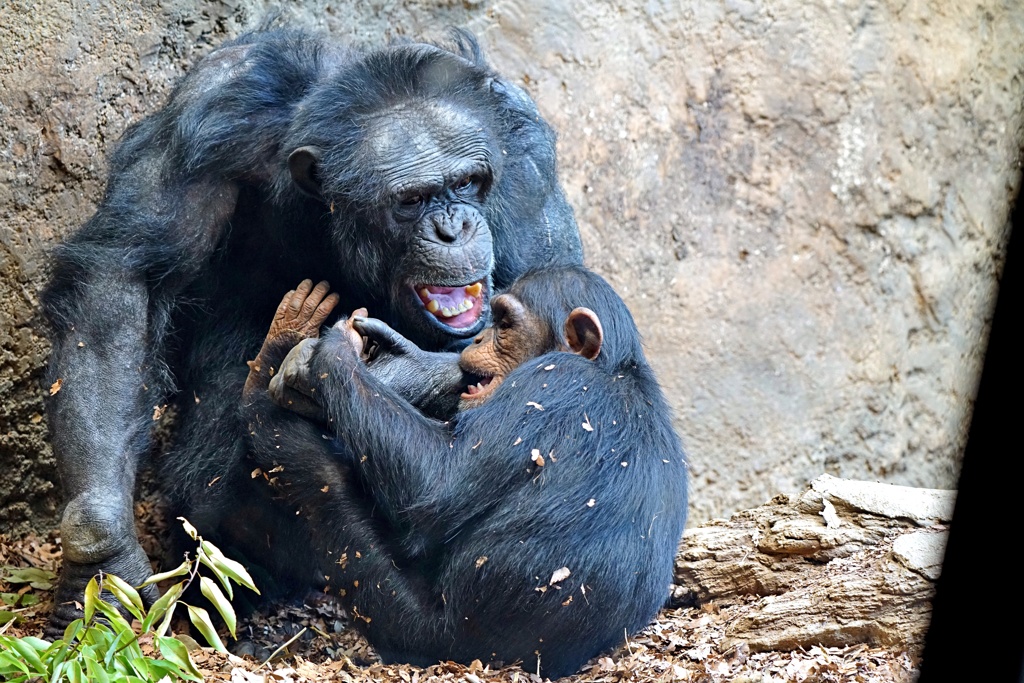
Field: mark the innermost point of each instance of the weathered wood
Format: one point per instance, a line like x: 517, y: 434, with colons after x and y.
x: 846, y: 562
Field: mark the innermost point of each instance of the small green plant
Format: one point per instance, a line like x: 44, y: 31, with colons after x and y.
x: 103, y: 646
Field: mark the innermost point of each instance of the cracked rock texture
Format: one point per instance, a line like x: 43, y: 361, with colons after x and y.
x: 805, y: 205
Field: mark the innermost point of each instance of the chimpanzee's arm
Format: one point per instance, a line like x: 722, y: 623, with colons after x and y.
x: 399, y: 452
x: 430, y: 381
x: 115, y: 285
x: 106, y: 368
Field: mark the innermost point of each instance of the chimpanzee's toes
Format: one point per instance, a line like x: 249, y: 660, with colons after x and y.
x: 132, y: 565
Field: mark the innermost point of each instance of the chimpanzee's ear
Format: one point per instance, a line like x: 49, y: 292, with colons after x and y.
x: 303, y: 165
x: 583, y: 332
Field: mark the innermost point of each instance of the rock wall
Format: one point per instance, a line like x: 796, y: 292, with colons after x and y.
x: 806, y: 206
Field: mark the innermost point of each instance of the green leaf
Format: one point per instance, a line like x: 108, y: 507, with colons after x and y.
x: 118, y: 623
x: 174, y: 651
x: 10, y: 599
x: 181, y: 570
x: 56, y: 676
x: 73, y: 629
x: 39, y: 644
x: 92, y: 597
x: 223, y: 578
x: 122, y: 639
x: 29, y: 654
x: 75, y: 674
x: 97, y: 674
x: 229, y: 567
x: 29, y: 599
x: 34, y: 576
x: 224, y: 608
x: 125, y: 594
x: 166, y: 623
x: 10, y: 663
x: 56, y: 653
x: 156, y: 669
x: 160, y: 606
x: 201, y: 620
x: 6, y: 616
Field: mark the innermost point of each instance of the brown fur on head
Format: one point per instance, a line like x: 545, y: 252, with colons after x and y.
x: 516, y: 335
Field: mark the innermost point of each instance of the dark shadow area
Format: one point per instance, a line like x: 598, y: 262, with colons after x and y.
x: 976, y: 631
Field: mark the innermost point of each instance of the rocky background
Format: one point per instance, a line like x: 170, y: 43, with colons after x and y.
x: 805, y: 205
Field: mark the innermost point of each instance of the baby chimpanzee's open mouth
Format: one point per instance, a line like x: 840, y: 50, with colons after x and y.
x: 485, y: 387
x: 457, y: 307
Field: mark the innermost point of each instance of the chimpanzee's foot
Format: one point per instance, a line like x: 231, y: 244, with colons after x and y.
x: 299, y: 316
x: 97, y: 534
x: 132, y: 566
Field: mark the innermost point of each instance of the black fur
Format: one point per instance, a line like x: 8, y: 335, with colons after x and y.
x: 444, y: 538
x: 166, y: 291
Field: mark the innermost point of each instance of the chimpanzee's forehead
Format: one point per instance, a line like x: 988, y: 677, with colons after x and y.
x: 426, y: 145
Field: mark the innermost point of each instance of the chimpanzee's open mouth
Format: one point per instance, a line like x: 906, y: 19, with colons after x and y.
x: 457, y: 307
x: 482, y: 389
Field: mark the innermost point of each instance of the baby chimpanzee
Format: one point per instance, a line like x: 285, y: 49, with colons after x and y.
x: 538, y: 525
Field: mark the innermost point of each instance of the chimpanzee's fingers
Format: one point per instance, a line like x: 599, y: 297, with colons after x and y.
x: 301, y: 293
x: 322, y: 311
x: 282, y: 308
x: 314, y: 299
x: 381, y: 333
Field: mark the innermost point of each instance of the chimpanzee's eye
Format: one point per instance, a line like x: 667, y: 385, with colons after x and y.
x: 413, y: 200
x: 463, y: 183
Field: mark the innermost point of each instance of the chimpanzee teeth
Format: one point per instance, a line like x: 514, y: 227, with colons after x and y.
x: 425, y: 293
x: 474, y: 289
x: 450, y: 311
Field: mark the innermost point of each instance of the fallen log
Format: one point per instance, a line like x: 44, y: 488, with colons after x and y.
x: 846, y: 562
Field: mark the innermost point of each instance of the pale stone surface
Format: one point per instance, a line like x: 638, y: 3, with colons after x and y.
x: 805, y: 205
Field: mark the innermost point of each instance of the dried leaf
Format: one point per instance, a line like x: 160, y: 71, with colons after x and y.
x: 255, y: 473
x: 480, y: 561
x: 549, y: 367
x: 55, y: 387
x: 536, y: 457
x: 591, y: 503
x: 534, y: 404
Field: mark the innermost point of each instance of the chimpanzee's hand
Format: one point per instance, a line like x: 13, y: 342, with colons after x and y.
x: 430, y: 381
x: 299, y: 316
x: 293, y: 387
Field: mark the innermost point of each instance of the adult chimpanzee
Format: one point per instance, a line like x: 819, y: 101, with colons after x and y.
x: 539, y: 524
x: 412, y: 177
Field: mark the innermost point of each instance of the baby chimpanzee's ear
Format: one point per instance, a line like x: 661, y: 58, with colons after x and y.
x: 302, y: 163
x: 583, y: 332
